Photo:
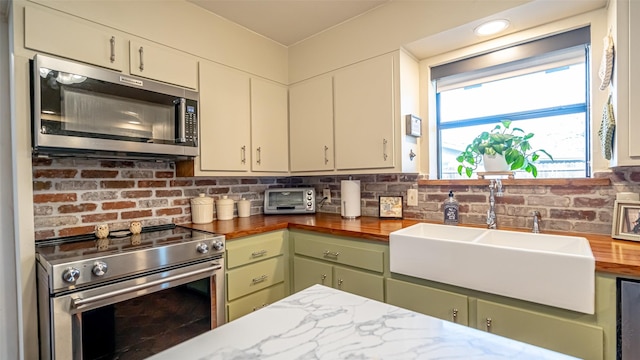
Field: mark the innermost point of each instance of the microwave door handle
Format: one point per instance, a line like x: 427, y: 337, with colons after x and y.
x: 181, y: 105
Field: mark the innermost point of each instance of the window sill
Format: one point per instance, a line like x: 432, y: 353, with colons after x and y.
x: 520, y: 182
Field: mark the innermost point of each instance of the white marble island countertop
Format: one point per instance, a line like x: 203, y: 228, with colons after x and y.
x: 324, y: 323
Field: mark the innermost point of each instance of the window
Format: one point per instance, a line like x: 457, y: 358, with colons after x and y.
x: 546, y: 94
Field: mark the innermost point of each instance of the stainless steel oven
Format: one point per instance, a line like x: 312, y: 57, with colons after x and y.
x: 129, y: 296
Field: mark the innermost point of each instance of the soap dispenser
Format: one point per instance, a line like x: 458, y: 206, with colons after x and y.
x: 451, y: 210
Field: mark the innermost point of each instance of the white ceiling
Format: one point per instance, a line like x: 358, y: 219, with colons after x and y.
x: 288, y: 21
x: 291, y: 21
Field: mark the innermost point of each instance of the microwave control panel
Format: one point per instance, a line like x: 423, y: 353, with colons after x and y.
x: 191, y: 123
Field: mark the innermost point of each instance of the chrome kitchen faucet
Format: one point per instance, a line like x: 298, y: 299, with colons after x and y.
x: 495, y: 189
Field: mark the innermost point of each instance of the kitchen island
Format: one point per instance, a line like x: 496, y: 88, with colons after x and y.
x: 324, y: 323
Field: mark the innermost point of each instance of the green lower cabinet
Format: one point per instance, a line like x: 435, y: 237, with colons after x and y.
x: 573, y: 338
x: 255, y: 301
x: 310, y: 272
x: 441, y: 304
x: 307, y: 272
x: 359, y: 283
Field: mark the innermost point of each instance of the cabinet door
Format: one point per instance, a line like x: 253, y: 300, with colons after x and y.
x: 311, y: 125
x: 255, y: 301
x: 442, y: 304
x: 73, y: 38
x: 161, y: 63
x: 358, y: 282
x: 364, y: 115
x: 225, y: 118
x: 309, y: 272
x: 569, y: 337
x: 269, y: 127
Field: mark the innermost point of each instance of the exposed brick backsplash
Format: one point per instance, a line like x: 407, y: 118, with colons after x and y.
x: 71, y: 196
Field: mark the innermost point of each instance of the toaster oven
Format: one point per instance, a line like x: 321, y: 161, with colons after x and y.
x: 290, y: 201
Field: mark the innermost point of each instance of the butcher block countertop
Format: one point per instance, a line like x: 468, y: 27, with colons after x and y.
x: 619, y: 257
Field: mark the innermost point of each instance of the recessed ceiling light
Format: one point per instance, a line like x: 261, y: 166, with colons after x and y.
x: 491, y: 27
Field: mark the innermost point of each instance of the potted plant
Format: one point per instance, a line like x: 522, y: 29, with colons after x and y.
x: 503, y: 141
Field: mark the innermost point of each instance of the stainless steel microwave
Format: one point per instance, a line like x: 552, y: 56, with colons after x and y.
x: 290, y: 201
x: 79, y: 109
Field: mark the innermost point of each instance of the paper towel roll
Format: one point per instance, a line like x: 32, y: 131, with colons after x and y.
x: 350, y: 196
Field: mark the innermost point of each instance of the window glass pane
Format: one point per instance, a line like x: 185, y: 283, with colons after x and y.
x: 539, y: 90
x: 549, y: 101
x: 562, y: 136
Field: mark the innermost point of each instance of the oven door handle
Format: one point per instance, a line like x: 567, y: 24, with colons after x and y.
x: 77, y: 302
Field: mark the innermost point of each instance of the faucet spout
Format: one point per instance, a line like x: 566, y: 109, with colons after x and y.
x: 491, y: 213
x: 536, y: 222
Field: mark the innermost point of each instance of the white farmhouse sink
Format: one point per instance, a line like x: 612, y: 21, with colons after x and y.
x: 547, y: 269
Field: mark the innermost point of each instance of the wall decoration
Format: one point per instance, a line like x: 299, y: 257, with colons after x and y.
x: 626, y: 220
x: 390, y: 207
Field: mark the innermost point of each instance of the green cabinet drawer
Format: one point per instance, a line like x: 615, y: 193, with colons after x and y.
x: 254, y: 277
x: 581, y: 340
x: 255, y: 301
x: 255, y: 248
x: 359, y: 282
x: 330, y: 250
x: 308, y: 272
x: 438, y: 303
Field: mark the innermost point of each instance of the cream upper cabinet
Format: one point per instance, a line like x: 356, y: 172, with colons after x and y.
x: 624, y: 85
x: 74, y: 38
x: 225, y: 118
x: 364, y: 115
x: 311, y: 125
x: 158, y: 62
x: 269, y: 127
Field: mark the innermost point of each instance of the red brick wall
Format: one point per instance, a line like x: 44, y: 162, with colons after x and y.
x: 71, y: 196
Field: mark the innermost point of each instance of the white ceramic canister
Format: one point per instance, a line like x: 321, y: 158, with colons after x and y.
x: 224, y: 208
x: 244, y: 208
x: 201, y: 209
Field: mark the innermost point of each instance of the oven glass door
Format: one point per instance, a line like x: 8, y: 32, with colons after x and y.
x: 143, y: 326
x: 286, y: 200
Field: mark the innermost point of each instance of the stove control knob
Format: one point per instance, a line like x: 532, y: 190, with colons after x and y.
x: 70, y: 275
x: 99, y: 268
x: 202, y: 248
x: 218, y: 245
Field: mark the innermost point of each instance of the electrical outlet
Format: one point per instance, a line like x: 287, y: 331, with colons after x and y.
x: 326, y: 193
x: 412, y: 197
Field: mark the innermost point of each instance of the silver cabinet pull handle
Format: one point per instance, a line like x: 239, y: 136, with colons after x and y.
x: 141, y: 50
x: 326, y: 158
x: 323, y: 277
x: 328, y: 253
x: 258, y: 157
x: 259, y: 279
x: 489, y: 321
x: 256, y: 254
x: 113, y: 49
x: 384, y: 149
x: 340, y: 281
x: 243, y: 151
x: 455, y: 315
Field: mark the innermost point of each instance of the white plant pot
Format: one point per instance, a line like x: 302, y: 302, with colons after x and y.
x: 495, y: 162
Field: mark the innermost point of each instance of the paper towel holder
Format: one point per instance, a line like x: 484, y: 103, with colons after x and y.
x: 390, y: 207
